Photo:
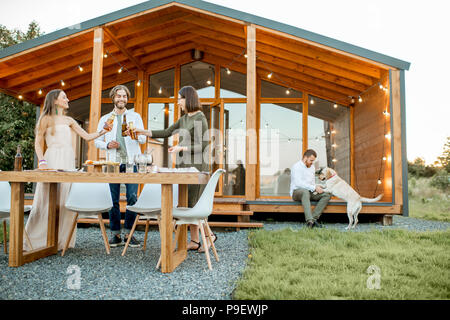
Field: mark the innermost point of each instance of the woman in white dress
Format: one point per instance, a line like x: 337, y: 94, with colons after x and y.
x: 56, y: 130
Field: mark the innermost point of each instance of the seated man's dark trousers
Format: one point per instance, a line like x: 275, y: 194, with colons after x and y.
x: 305, y: 196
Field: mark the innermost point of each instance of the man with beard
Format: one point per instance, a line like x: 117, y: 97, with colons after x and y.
x: 121, y: 147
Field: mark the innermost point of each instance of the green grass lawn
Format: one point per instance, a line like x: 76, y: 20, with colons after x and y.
x: 331, y: 264
x: 426, y: 201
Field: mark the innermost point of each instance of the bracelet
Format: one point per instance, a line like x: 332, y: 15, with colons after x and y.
x: 41, y: 161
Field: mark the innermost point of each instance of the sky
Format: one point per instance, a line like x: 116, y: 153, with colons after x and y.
x: 412, y: 31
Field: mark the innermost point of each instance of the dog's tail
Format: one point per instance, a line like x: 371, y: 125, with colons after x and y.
x: 371, y: 199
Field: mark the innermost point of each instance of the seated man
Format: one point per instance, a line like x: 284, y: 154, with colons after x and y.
x: 303, y: 188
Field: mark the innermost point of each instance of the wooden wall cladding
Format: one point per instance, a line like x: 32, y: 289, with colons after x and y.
x: 371, y: 145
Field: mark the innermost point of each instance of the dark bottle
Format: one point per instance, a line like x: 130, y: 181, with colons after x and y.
x: 18, y: 160
x: 124, y: 125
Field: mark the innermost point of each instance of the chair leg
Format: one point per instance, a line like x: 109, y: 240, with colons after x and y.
x: 74, y: 224
x: 27, y: 237
x: 159, y: 230
x: 130, y: 235
x: 202, y: 231
x: 209, y: 233
x: 147, y: 223
x: 105, y: 236
x: 4, y: 237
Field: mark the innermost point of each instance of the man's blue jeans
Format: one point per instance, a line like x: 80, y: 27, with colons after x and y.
x: 114, y: 213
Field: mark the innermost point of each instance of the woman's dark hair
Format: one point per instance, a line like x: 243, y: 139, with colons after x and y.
x: 192, y: 101
x: 49, y: 110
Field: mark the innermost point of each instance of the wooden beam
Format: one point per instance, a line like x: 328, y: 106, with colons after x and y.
x: 123, y: 49
x: 352, y: 147
x: 251, y: 111
x: 96, y: 90
x: 305, y: 123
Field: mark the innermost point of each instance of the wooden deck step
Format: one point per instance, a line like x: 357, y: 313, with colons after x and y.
x: 233, y: 213
x: 235, y: 224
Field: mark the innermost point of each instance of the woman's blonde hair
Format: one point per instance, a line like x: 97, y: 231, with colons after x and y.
x: 49, y: 110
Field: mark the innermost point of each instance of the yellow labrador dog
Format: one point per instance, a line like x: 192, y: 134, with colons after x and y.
x: 339, y: 188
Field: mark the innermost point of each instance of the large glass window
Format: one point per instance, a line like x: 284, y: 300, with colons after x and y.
x: 280, y: 146
x: 329, y: 135
x: 234, y: 149
x: 162, y: 84
x: 200, y: 75
x: 232, y: 84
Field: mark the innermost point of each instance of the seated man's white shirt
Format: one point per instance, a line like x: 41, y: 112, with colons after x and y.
x: 131, y: 145
x: 302, y: 177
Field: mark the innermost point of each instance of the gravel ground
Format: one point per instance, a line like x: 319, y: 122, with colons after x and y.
x: 134, y: 276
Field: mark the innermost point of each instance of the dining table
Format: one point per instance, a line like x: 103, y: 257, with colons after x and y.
x: 172, y: 252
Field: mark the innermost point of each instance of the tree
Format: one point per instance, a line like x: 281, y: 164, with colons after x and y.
x: 18, y: 118
x: 444, y: 160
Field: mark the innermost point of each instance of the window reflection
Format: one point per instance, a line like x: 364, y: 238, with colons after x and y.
x: 280, y: 146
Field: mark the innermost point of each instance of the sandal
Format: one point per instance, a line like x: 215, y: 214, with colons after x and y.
x: 201, y: 248
x: 196, y: 248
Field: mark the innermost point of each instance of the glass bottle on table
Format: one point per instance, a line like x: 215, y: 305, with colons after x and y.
x: 18, y: 159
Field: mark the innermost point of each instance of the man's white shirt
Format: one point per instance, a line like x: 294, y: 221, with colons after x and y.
x: 302, y: 177
x: 131, y: 145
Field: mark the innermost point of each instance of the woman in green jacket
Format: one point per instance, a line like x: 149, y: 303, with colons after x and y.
x: 192, y: 149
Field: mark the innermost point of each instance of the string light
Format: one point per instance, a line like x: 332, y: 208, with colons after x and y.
x: 379, y: 181
x: 288, y: 92
x: 208, y: 82
x: 20, y: 97
x: 311, y: 101
x: 360, y: 99
x: 105, y: 55
x: 138, y: 83
x: 160, y: 90
x: 335, y: 106
x: 228, y: 71
x: 246, y: 56
x: 334, y: 145
x: 384, y: 158
x: 63, y: 83
x: 120, y: 70
x: 386, y: 113
x: 40, y: 92
x: 269, y: 75
x: 80, y: 68
x: 334, y: 160
x: 388, y: 136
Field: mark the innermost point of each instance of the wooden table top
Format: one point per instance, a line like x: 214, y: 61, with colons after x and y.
x: 99, y: 177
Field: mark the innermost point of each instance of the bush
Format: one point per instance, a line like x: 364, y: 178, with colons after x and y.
x: 441, y: 180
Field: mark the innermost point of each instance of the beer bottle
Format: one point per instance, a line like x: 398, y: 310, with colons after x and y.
x: 18, y: 160
x: 124, y: 125
x: 109, y: 123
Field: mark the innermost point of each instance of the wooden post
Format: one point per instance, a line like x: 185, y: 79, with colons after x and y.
x: 352, y: 147
x: 396, y: 139
x: 96, y: 89
x: 53, y: 217
x: 305, y: 124
x: 251, y: 143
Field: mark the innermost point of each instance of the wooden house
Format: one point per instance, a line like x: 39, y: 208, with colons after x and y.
x: 271, y: 90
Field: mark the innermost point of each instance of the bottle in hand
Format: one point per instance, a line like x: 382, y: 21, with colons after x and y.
x: 18, y: 160
x: 109, y: 123
x: 124, y: 126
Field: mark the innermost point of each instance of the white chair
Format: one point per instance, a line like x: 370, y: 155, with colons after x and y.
x: 199, y: 214
x: 89, y: 201
x: 148, y: 207
x: 5, y: 209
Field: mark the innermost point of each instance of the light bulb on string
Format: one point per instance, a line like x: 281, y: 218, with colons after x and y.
x: 20, y: 97
x: 105, y: 55
x: 138, y: 83
x: 311, y: 101
x: 208, y: 82
x: 160, y: 90
x: 379, y: 181
x: 40, y: 91
x: 334, y: 160
x: 384, y: 158
x: 269, y: 75
x: 334, y: 145
x: 335, y: 106
x: 387, y: 136
x: 228, y: 71
x: 386, y: 113
x: 120, y: 70
x: 80, y: 68
x: 288, y: 92
x: 63, y: 83
x: 360, y: 99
